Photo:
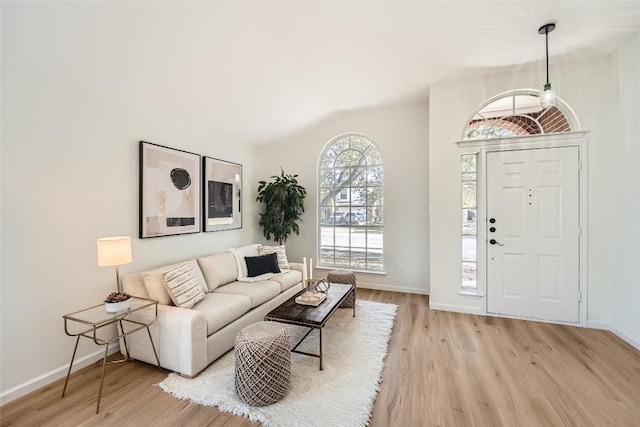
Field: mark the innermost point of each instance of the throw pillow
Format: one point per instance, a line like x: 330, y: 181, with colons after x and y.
x: 183, y: 286
x: 154, y: 284
x: 283, y: 263
x: 258, y: 265
x: 240, y: 253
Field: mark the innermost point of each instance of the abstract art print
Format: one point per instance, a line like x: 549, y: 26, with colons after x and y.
x: 222, y: 195
x: 169, y: 191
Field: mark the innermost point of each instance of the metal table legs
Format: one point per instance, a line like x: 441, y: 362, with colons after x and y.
x: 104, y: 362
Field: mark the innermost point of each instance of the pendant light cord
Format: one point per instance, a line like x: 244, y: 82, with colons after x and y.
x: 546, y: 39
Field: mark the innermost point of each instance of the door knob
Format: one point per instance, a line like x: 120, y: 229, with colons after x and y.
x: 492, y: 220
x: 495, y: 242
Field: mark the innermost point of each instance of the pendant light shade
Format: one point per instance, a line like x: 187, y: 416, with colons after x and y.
x: 547, y: 94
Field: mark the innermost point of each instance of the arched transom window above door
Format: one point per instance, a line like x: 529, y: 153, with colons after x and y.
x: 518, y: 113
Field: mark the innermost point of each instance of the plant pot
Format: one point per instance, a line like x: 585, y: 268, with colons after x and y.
x: 114, y: 307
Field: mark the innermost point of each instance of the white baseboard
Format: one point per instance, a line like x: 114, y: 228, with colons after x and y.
x: 406, y: 290
x: 629, y: 340
x: 51, y: 376
x: 598, y: 325
x: 456, y: 308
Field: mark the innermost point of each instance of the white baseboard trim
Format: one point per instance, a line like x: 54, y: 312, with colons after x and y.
x: 629, y: 340
x: 51, y: 376
x: 456, y: 308
x: 598, y: 325
x: 405, y: 290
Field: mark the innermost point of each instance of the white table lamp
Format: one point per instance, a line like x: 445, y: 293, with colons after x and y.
x: 114, y: 251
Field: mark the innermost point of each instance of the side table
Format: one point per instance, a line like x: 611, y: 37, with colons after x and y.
x: 94, y: 318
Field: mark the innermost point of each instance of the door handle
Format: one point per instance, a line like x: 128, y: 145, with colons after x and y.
x: 495, y: 242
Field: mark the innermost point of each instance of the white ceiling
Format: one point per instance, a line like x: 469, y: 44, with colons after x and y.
x: 257, y: 71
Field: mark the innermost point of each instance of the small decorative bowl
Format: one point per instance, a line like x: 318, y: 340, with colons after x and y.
x: 114, y: 307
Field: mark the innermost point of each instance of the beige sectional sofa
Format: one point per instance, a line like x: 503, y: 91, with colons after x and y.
x: 189, y: 339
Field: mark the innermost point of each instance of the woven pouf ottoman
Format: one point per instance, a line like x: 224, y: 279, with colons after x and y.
x: 347, y: 278
x: 263, y: 363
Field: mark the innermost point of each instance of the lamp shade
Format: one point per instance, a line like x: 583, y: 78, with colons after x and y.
x: 114, y: 250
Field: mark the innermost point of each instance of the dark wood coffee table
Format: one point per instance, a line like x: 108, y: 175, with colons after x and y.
x: 312, y: 317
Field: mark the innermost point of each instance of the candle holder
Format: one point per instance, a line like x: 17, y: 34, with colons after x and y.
x: 317, y: 285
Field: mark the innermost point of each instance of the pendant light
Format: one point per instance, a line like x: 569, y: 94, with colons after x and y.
x: 547, y: 95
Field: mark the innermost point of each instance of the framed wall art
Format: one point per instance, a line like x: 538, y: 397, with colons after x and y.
x: 169, y: 191
x: 222, y: 203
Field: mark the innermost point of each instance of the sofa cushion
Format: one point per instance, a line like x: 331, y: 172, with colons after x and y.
x: 221, y: 309
x: 259, y: 292
x: 287, y: 279
x: 183, y: 286
x: 240, y: 253
x: 283, y: 263
x: 259, y: 265
x: 154, y: 283
x: 218, y: 269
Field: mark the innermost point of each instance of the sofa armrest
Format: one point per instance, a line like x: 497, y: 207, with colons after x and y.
x: 299, y: 267
x: 180, y: 338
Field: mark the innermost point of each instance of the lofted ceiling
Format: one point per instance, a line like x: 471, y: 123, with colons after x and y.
x: 257, y: 71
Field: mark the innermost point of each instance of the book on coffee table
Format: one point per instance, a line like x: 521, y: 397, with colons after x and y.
x: 311, y: 298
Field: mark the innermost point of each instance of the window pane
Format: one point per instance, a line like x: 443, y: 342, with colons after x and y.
x: 326, y: 256
x: 326, y: 236
x: 328, y: 160
x: 340, y: 145
x: 469, y: 222
x: 468, y: 176
x: 343, y: 177
x: 327, y: 178
x: 349, y: 158
x: 359, y: 176
x: 359, y: 197
x: 342, y: 257
x: 359, y: 143
x: 374, y: 238
x: 326, y: 197
x: 375, y: 175
x: 469, y: 248
x: 468, y: 163
x: 375, y: 260
x: 372, y: 156
x: 374, y: 196
x: 358, y: 237
x: 468, y: 194
x: 358, y: 258
x: 469, y: 274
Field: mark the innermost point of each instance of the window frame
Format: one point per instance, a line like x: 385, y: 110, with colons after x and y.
x: 336, y: 206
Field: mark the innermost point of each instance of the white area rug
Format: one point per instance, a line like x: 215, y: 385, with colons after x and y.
x: 342, y: 394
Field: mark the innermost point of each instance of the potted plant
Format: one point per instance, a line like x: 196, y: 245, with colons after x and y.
x: 284, y: 200
x: 117, y: 301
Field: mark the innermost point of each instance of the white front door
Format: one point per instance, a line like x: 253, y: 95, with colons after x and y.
x: 533, y: 233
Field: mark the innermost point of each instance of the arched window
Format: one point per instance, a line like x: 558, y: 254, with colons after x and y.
x: 518, y: 113
x: 351, y: 204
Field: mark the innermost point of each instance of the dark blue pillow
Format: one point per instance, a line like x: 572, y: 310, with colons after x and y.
x: 257, y: 265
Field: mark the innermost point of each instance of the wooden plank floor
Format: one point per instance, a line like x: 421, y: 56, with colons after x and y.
x: 443, y: 369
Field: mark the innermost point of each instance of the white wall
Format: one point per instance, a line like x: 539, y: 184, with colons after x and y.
x: 625, y: 201
x: 70, y: 176
x: 402, y: 135
x: 590, y: 89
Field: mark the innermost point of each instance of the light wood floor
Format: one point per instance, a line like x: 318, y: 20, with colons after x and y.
x: 443, y: 368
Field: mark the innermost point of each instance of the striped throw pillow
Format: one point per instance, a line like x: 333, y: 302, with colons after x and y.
x: 183, y: 286
x: 283, y: 264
